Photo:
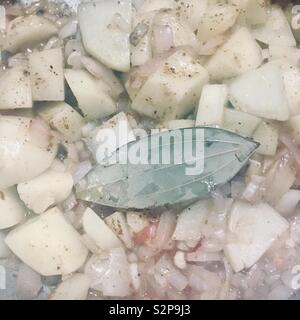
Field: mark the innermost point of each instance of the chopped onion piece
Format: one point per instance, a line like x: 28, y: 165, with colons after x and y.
x: 68, y: 29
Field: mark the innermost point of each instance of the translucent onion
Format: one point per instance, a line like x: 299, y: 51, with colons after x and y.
x: 68, y: 30
x: 162, y: 40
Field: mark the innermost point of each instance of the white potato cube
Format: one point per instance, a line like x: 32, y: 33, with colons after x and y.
x: 4, y: 251
x: 191, y: 220
x: 267, y: 136
x: 179, y: 123
x: 15, y: 89
x: 173, y: 89
x: 240, y: 122
x: 105, y: 28
x: 2, y: 18
x: 99, y: 231
x: 192, y: 11
x: 63, y: 118
x: 47, y: 75
x: 114, y: 133
x: 240, y: 53
x: 94, y: 102
x: 216, y: 20
x: 256, y: 12
x: 46, y: 190
x: 26, y: 31
x: 211, y: 105
x: 27, y: 148
x: 276, y: 30
x: 74, y: 288
x: 294, y: 124
x: 289, y: 54
x: 48, y: 244
x: 253, y: 230
x: 12, y: 210
x: 260, y: 92
x: 117, y: 222
x: 291, y: 80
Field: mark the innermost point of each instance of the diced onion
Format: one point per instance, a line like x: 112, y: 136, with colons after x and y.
x: 68, y: 29
x: 162, y: 38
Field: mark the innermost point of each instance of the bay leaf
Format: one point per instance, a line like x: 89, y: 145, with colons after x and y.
x: 147, y: 185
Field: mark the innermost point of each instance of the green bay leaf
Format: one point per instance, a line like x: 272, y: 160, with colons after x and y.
x: 140, y: 186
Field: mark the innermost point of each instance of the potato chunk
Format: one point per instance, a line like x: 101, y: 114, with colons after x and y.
x: 105, y: 27
x: 254, y: 228
x: 173, y: 89
x: 48, y: 244
x: 47, y: 75
x: 240, y: 53
x: 15, y: 89
x: 12, y: 210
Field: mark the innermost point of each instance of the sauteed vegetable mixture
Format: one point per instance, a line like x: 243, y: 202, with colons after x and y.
x: 74, y: 227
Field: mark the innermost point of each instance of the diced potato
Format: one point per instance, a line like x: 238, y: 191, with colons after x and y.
x: 294, y: 123
x: 2, y: 18
x: 291, y: 80
x: 256, y: 12
x: 216, y: 20
x: 260, y: 92
x: 120, y: 134
x: 240, y: 53
x: 15, y: 90
x: 63, y: 118
x: 117, y: 222
x: 30, y: 149
x: 290, y: 54
x: 240, y: 122
x: 211, y: 105
x: 276, y: 30
x: 173, y: 89
x: 23, y: 32
x: 47, y: 75
x: 267, y: 136
x: 48, y: 244
x: 4, y: 251
x: 241, y: 8
x: 105, y: 29
x: 74, y: 288
x: 192, y: 11
x: 99, y: 232
x: 12, y: 210
x: 254, y: 228
x: 93, y: 101
x: 179, y: 123
x: 190, y: 222
x: 48, y: 189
